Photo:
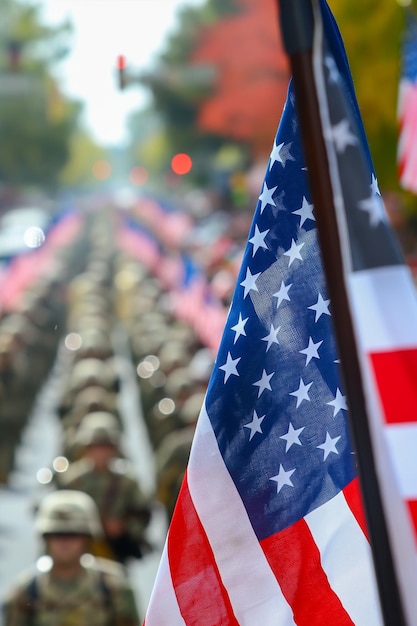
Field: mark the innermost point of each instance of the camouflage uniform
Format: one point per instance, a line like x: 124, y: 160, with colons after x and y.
x: 173, y: 453
x: 90, y: 400
x: 16, y: 398
x: 98, y: 595
x: 114, y: 490
x: 87, y: 373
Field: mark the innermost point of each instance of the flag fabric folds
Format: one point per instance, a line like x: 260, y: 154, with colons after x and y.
x: 269, y: 527
x: 407, y: 108
x: 383, y: 305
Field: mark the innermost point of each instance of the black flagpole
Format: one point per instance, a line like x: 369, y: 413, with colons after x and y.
x: 297, y: 26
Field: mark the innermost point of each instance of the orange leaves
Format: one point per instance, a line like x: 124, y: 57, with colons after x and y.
x: 252, y: 69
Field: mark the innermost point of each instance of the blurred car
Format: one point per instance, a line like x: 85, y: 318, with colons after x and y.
x: 22, y: 229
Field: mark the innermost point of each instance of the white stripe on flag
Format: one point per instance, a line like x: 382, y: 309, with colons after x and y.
x: 253, y: 590
x: 346, y: 558
x: 384, y: 305
x: 163, y: 610
x: 402, y: 443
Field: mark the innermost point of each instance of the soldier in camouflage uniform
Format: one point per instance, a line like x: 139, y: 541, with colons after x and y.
x: 106, y: 477
x: 77, y: 589
x: 173, y: 452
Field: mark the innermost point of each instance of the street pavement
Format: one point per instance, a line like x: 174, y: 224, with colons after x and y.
x: 41, y: 444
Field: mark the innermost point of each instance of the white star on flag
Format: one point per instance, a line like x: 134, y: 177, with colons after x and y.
x: 311, y: 351
x: 280, y: 154
x: 263, y: 382
x: 302, y: 392
x: 329, y: 446
x: 239, y: 328
x: 292, y: 437
x: 230, y: 367
x: 258, y: 240
x: 332, y: 67
x: 282, y: 293
x: 250, y: 282
x: 339, y: 403
x: 294, y: 252
x: 305, y: 211
x: 321, y: 307
x: 373, y: 205
x: 343, y: 136
x: 255, y: 425
x: 272, y: 337
x: 283, y: 478
x: 374, y: 186
x: 266, y: 196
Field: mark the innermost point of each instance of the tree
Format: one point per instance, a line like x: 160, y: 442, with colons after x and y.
x: 372, y: 35
x: 176, y: 95
x: 199, y: 85
x: 83, y: 154
x: 36, y: 121
x: 245, y: 48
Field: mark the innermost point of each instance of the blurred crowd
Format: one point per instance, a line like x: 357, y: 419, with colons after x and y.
x: 76, y: 308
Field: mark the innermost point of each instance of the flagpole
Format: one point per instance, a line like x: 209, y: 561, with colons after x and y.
x: 297, y: 26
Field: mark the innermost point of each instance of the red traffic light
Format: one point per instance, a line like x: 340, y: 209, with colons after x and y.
x: 181, y: 163
x: 121, y: 67
x: 121, y: 62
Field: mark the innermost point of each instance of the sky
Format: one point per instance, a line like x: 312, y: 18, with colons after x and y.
x: 104, y: 29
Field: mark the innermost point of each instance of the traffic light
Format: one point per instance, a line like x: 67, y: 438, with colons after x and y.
x: 181, y: 163
x: 121, y: 71
x: 14, y: 53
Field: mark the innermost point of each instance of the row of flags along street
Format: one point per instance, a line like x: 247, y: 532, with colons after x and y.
x: 298, y: 504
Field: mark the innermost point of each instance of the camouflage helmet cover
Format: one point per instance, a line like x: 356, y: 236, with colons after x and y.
x: 99, y: 427
x: 68, y: 511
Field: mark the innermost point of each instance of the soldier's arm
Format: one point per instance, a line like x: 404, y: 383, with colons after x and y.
x: 124, y: 608
x: 140, y: 506
x: 17, y: 611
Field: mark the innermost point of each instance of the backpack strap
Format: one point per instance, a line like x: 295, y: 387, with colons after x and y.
x: 108, y: 600
x: 32, y: 589
x: 32, y: 593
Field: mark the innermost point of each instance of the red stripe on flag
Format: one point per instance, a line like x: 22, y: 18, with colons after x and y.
x: 412, y: 506
x: 395, y: 374
x: 201, y: 596
x: 295, y: 560
x: 353, y: 498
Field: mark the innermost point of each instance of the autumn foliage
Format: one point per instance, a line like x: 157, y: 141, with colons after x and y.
x: 252, y: 75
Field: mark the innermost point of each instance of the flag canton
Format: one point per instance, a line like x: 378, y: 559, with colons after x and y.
x: 358, y: 200
x: 275, y: 399
x: 409, y: 63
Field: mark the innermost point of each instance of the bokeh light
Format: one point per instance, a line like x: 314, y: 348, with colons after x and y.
x: 101, y: 169
x: 181, y: 163
x: 73, y: 341
x: 138, y: 175
x: 60, y: 464
x: 44, y: 476
x: 34, y: 237
x: 166, y: 406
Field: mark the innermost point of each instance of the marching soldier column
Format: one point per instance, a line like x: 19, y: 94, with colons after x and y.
x: 129, y: 381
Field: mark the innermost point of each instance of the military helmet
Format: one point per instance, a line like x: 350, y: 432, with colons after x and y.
x: 68, y: 511
x: 88, y: 372
x: 179, y: 381
x: 92, y: 399
x: 192, y: 406
x: 99, y: 427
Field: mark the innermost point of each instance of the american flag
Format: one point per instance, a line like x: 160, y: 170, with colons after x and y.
x: 268, y: 527
x: 193, y: 300
x: 407, y: 108
x: 383, y: 305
